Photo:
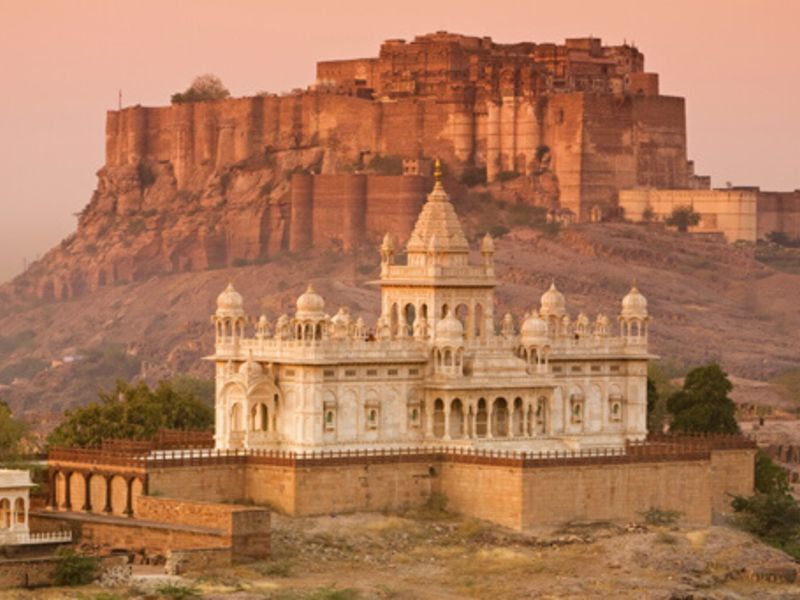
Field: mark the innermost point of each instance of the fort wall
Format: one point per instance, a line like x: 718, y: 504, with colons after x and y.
x: 738, y: 213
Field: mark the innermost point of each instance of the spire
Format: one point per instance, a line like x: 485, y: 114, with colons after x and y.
x: 438, y: 217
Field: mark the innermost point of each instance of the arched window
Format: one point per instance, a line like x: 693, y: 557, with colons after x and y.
x: 481, y: 419
x: 411, y: 317
x: 264, y: 417
x: 5, y: 514
x: 236, y: 417
x: 438, y: 418
x: 518, y: 418
x: 393, y: 320
x: 456, y: 419
x: 500, y: 418
x: 19, y: 509
x: 478, y: 320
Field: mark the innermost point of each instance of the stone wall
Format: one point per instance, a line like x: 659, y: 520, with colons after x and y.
x: 493, y: 493
x: 616, y: 492
x: 732, y: 474
x: 217, y: 483
x: 39, y: 572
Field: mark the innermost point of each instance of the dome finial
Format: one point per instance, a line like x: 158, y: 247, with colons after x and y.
x: 437, y: 172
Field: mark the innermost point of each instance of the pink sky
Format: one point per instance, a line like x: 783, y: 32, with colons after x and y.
x: 736, y: 61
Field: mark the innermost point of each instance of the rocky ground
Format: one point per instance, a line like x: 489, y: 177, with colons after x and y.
x: 437, y: 556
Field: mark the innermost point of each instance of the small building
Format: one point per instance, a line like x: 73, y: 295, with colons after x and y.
x: 15, y: 486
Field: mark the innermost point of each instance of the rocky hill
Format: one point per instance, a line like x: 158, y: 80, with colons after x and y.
x: 708, y: 300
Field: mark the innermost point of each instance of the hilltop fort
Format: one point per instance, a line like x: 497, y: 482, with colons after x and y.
x: 579, y: 129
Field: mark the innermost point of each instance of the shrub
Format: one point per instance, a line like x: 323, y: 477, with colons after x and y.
x: 773, y: 517
x: 174, y: 591
x: 276, y: 568
x: 203, y: 88
x: 683, y: 217
x: 507, y: 175
x: 472, y: 176
x: 770, y: 477
x: 657, y: 516
x: 498, y: 231
x: 74, y: 568
x: 386, y: 165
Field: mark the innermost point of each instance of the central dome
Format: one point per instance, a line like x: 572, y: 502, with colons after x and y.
x: 449, y: 329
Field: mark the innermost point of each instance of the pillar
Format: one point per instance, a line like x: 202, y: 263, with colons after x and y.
x: 68, y: 490
x: 87, y: 495
x: 52, y: 500
x: 129, y: 496
x: 108, y: 508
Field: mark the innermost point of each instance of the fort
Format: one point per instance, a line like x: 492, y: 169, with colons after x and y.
x: 468, y: 100
x: 578, y: 128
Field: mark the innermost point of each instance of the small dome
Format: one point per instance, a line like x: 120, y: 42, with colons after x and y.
x: 487, y: 244
x: 388, y: 242
x: 602, y: 320
x: 634, y: 304
x: 230, y: 302
x: 553, y: 302
x: 310, y: 304
x: 449, y: 329
x: 251, y: 368
x: 583, y: 320
x: 533, y: 330
x: 262, y: 321
x: 342, y: 317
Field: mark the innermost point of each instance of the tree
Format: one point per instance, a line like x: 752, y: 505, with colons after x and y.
x: 13, y: 434
x: 654, y: 423
x: 770, y: 477
x: 204, y: 87
x: 703, y: 406
x: 133, y: 412
x: 683, y: 217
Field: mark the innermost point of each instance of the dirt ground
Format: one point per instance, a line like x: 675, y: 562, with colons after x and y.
x: 375, y: 556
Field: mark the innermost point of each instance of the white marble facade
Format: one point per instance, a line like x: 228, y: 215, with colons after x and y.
x: 437, y: 368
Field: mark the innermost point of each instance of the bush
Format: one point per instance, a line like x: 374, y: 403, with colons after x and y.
x: 203, y: 88
x: 683, y: 217
x: 657, y: 516
x: 773, y: 517
x: 507, y: 175
x: 174, y: 591
x: 275, y: 568
x: 770, y: 477
x: 386, y: 165
x: 498, y: 231
x: 472, y: 176
x: 74, y: 568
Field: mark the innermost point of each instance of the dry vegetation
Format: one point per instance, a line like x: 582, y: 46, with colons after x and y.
x: 439, y: 556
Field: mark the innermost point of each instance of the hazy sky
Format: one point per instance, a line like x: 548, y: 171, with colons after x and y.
x: 737, y: 62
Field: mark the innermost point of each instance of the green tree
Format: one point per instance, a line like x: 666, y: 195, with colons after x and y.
x: 774, y: 517
x: 770, y: 477
x: 133, y: 411
x: 683, y: 217
x: 13, y: 434
x: 654, y: 419
x: 703, y: 406
x: 203, y: 88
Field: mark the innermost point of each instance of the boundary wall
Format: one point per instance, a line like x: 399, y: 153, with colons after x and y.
x: 693, y: 475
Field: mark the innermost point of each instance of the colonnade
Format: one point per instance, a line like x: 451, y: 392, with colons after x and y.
x: 62, y: 491
x: 489, y: 418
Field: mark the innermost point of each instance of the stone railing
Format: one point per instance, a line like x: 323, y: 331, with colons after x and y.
x: 656, y: 448
x: 27, y: 538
